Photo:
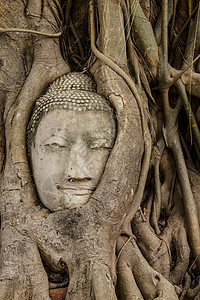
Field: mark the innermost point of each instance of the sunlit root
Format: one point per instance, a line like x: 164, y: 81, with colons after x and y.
x: 151, y: 284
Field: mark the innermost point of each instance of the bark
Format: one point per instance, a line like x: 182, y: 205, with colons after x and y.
x: 138, y: 235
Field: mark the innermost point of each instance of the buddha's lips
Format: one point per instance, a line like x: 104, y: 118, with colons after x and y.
x: 75, y: 188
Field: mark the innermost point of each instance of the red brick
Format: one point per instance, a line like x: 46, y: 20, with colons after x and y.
x: 57, y: 294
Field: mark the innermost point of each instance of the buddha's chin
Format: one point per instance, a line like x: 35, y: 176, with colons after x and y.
x: 56, y: 202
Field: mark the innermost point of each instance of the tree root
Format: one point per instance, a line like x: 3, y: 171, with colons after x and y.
x: 50, y: 35
x: 153, y: 248
x: 175, y: 234
x: 191, y: 293
x: 173, y: 142
x: 157, y: 249
x: 95, y: 277
x: 151, y: 284
x: 144, y: 40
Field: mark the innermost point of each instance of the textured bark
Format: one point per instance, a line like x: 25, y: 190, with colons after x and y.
x: 123, y: 243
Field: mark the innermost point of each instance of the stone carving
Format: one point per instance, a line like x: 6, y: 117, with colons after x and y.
x: 70, y: 135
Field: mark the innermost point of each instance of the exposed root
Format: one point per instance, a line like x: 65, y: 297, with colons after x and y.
x: 50, y: 35
x: 87, y: 248
x: 151, y: 284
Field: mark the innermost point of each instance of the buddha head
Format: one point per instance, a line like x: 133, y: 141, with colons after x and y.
x: 70, y: 135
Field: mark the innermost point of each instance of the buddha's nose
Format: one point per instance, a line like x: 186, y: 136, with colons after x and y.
x: 77, y: 164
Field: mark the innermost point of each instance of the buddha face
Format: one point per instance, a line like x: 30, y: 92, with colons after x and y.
x: 69, y: 154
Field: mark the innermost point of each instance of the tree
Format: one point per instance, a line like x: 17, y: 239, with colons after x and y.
x: 141, y: 234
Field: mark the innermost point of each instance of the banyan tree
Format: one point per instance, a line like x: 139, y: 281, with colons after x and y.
x: 100, y: 149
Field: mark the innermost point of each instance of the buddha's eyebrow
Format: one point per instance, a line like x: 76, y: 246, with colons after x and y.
x: 101, y: 134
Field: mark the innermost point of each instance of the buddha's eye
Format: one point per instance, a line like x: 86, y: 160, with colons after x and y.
x: 100, y: 143
x: 56, y: 143
x: 55, y: 146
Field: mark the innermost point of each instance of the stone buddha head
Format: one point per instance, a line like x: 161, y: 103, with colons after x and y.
x: 70, y: 135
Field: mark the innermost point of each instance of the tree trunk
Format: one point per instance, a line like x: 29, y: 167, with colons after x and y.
x: 138, y: 235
